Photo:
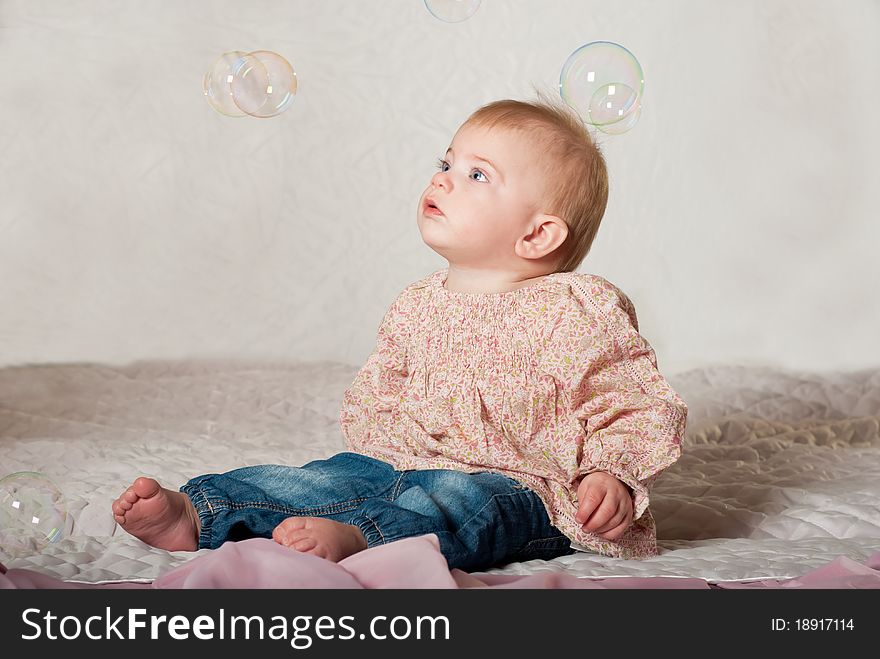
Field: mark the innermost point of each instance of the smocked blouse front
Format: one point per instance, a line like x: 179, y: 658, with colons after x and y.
x: 545, y: 384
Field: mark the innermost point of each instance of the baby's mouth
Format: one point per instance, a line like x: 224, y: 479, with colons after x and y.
x: 430, y: 208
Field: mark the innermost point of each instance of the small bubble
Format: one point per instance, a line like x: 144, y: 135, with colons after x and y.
x: 32, y: 513
x: 452, y: 11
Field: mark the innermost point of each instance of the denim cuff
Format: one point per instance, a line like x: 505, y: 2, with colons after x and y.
x: 196, y: 492
x: 370, y: 528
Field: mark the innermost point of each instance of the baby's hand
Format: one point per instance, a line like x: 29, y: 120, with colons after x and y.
x: 605, y: 505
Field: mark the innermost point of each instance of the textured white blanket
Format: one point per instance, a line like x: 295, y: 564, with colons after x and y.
x: 780, y: 472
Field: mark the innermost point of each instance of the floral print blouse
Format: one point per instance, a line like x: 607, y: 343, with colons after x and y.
x: 545, y: 384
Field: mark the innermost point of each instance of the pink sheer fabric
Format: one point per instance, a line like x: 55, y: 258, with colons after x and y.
x: 414, y: 563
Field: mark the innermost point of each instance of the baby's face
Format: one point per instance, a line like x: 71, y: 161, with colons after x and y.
x: 485, y: 197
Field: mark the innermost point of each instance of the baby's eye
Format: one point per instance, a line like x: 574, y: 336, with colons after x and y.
x: 442, y: 165
x: 476, y: 174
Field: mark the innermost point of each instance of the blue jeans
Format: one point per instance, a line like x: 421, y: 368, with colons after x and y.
x: 482, y: 519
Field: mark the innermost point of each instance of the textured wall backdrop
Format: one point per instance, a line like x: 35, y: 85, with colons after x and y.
x: 136, y: 223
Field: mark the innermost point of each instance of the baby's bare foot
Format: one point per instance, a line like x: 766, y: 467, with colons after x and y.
x: 158, y: 516
x: 321, y: 537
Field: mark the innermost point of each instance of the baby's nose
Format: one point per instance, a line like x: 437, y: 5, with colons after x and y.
x: 441, y: 180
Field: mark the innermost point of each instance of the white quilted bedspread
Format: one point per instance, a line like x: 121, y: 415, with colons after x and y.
x: 780, y: 472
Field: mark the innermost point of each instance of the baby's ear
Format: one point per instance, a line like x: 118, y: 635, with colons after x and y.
x: 548, y: 233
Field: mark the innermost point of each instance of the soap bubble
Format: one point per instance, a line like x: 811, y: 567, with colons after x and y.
x: 260, y: 84
x: 614, y: 108
x: 452, y: 11
x: 32, y: 513
x: 217, y: 82
x: 599, y: 73
x: 264, y: 85
x: 624, y: 125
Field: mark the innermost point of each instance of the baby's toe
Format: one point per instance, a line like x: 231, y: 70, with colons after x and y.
x: 304, y: 544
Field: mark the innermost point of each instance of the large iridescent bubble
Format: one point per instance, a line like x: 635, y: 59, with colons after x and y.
x: 260, y: 84
x: 452, y: 11
x: 603, y: 82
x: 217, y: 83
x: 33, y: 513
x: 265, y: 85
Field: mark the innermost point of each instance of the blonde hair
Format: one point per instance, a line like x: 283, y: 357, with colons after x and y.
x: 576, y: 176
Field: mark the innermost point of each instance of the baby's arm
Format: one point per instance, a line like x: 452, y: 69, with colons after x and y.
x: 605, y: 505
x: 633, y: 420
